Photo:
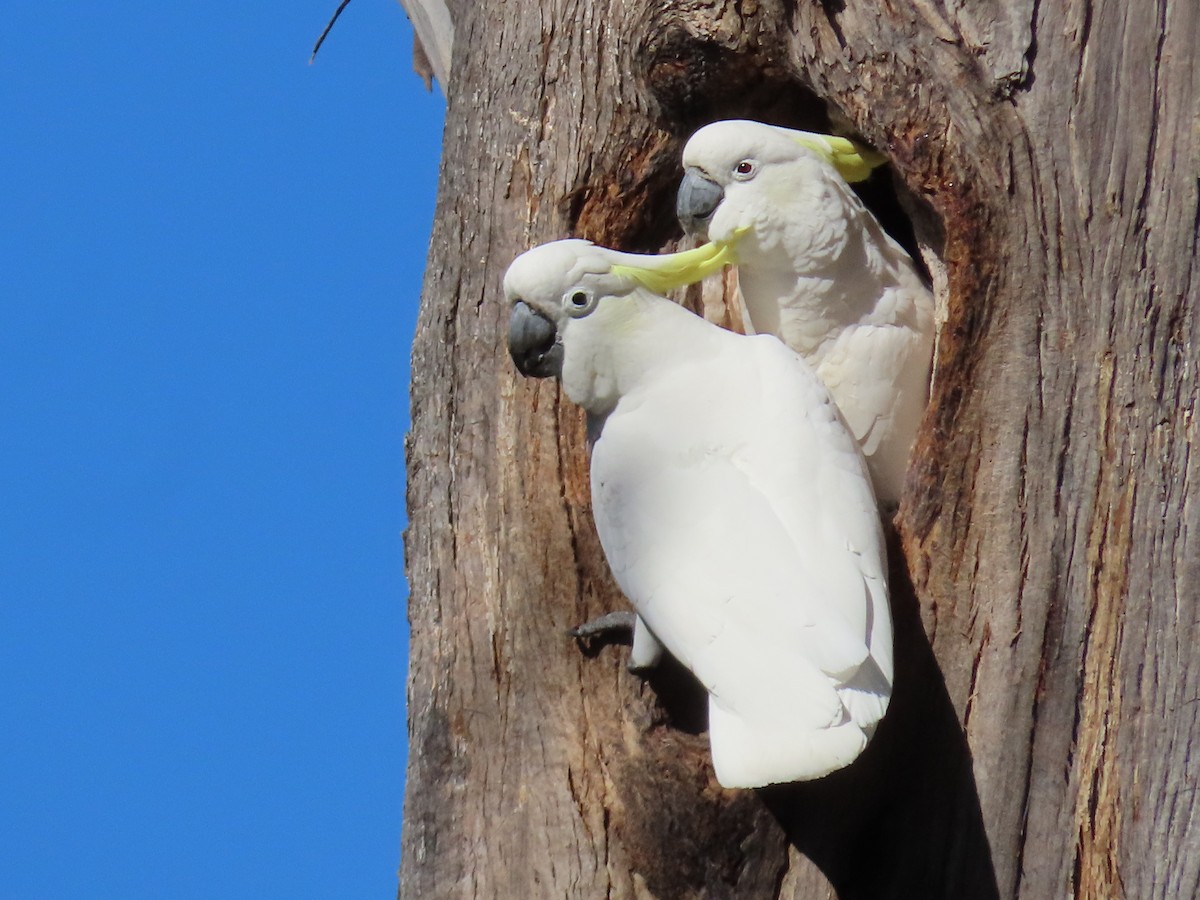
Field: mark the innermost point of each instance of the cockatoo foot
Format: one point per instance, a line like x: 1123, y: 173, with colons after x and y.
x: 613, y: 626
x: 606, y: 626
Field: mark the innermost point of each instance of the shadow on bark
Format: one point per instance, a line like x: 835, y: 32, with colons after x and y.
x: 904, y: 820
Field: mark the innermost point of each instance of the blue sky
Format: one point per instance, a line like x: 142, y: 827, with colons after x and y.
x: 210, y: 259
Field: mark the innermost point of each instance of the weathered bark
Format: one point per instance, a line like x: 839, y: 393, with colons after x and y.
x: 433, y: 39
x: 1046, y: 152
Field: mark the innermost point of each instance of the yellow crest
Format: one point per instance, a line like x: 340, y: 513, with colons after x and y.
x: 853, y: 162
x: 671, y: 270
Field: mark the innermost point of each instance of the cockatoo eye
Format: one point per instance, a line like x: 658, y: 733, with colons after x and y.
x: 744, y: 170
x: 579, y: 303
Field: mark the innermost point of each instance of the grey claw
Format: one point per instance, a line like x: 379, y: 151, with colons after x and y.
x: 610, y: 623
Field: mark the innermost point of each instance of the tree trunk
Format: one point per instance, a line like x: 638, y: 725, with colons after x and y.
x: 1045, y: 563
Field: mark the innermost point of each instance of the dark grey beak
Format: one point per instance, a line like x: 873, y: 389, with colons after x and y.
x: 698, y: 197
x: 533, y: 342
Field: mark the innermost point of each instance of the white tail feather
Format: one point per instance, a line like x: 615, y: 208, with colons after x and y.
x: 749, y: 755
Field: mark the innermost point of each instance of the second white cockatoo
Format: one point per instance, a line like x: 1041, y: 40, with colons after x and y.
x: 817, y: 270
x: 732, y: 503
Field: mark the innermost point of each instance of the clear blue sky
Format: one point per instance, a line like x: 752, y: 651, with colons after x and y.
x: 210, y: 259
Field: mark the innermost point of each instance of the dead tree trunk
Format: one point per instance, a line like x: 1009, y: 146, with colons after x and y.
x: 1045, y: 572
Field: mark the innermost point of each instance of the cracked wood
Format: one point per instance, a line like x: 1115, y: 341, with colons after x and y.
x: 1046, y: 709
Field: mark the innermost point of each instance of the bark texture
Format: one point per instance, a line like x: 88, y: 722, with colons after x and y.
x: 433, y: 39
x: 1045, y: 562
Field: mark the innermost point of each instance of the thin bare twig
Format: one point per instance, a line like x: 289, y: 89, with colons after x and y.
x: 328, y: 28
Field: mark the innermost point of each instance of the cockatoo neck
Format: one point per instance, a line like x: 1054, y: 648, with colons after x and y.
x: 626, y: 343
x: 808, y: 301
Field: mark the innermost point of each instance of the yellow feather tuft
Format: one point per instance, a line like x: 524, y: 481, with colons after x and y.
x: 671, y: 270
x: 853, y: 162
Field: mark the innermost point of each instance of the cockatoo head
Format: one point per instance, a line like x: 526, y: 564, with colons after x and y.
x: 571, y: 298
x: 744, y: 178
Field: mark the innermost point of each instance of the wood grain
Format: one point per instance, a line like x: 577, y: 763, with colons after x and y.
x: 1045, y: 570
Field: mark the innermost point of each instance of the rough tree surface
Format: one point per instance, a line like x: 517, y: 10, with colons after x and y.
x: 1045, y: 563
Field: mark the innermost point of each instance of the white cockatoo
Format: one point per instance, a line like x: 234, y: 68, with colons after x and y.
x: 816, y: 269
x: 732, y: 503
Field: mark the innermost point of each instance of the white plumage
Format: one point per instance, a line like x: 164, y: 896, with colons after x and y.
x: 732, y: 504
x: 816, y: 269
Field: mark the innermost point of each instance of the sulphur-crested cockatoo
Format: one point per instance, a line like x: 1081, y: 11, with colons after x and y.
x: 732, y: 503
x: 817, y: 270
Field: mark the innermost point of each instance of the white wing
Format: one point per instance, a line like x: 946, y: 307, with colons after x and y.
x: 735, y: 511
x: 825, y: 278
x: 879, y: 375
